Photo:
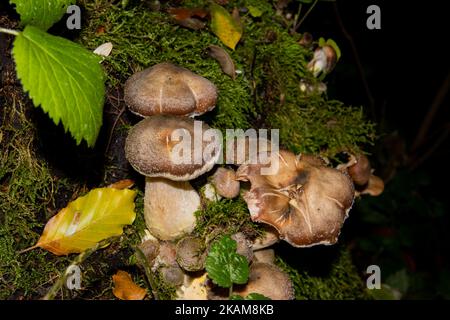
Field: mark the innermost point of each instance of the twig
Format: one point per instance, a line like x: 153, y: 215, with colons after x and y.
x: 433, y: 148
x: 148, y: 272
x: 9, y: 31
x: 295, y: 24
x: 357, y: 60
x: 51, y: 294
x: 306, y: 14
x: 114, y: 127
x: 435, y: 105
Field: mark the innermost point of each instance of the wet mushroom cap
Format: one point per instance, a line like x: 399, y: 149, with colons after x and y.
x: 304, y: 200
x: 153, y: 148
x: 169, y: 89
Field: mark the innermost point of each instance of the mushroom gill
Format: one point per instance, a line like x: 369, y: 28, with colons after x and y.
x: 306, y: 201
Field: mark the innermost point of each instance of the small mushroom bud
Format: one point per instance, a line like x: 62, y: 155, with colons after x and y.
x: 224, y: 180
x: 324, y: 60
x: 306, y: 40
x: 244, y: 246
x: 360, y: 171
x: 268, y: 280
x: 374, y: 187
x: 172, y: 275
x: 191, y: 254
x: 150, y: 249
x: 166, y: 264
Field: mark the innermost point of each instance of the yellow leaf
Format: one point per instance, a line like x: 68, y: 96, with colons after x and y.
x: 125, y: 288
x: 99, y: 215
x: 224, y: 26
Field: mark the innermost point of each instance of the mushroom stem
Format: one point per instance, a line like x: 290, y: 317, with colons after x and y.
x: 169, y: 207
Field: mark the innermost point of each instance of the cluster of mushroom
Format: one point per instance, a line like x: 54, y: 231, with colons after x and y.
x: 303, y: 202
x: 167, y: 96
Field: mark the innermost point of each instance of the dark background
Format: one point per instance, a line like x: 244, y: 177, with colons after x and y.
x: 406, y: 69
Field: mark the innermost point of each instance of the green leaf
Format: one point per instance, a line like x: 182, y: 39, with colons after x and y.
x: 65, y: 79
x: 334, y: 45
x: 256, y: 296
x: 224, y: 26
x: 250, y: 296
x: 224, y: 265
x: 254, y: 11
x: 39, y: 13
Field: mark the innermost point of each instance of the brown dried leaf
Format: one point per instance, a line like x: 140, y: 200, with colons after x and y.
x: 189, y: 17
x: 125, y: 288
x: 224, y: 59
x: 122, y: 184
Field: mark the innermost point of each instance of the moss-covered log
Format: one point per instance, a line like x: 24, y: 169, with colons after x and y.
x: 265, y: 94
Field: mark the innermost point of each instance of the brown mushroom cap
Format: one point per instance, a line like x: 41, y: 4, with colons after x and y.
x: 168, y: 89
x: 305, y: 201
x: 224, y: 180
x: 149, y: 148
x: 191, y: 254
x: 244, y: 245
x: 360, y: 170
x: 268, y: 280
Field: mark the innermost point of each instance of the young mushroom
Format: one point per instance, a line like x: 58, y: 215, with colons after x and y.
x: 360, y: 170
x: 151, y: 149
x: 268, y: 280
x: 191, y: 254
x: 304, y: 200
x: 244, y: 245
x: 169, y: 89
x: 225, y: 183
x: 165, y: 263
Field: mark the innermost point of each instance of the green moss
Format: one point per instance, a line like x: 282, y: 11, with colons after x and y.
x: 265, y: 94
x: 27, y: 191
x: 225, y: 216
x: 340, y: 282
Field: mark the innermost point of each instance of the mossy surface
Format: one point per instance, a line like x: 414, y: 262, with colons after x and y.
x: 265, y: 94
x: 30, y: 193
x: 340, y: 282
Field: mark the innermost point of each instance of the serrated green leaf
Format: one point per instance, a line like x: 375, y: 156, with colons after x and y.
x: 65, y: 79
x: 236, y: 297
x: 39, y: 13
x: 224, y: 266
x: 224, y: 26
